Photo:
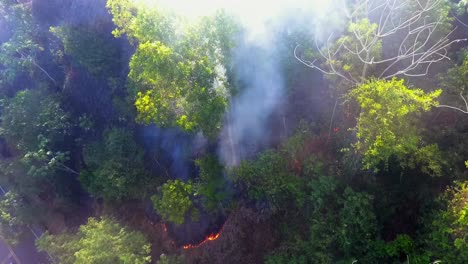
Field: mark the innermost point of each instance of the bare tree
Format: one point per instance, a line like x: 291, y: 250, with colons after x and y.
x: 386, y: 39
x: 417, y: 49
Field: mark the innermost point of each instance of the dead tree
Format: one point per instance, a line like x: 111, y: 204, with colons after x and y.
x: 414, y: 27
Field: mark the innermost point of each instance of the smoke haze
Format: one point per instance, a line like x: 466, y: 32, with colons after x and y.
x: 256, y: 61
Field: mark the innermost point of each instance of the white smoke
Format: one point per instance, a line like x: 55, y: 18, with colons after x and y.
x: 259, y: 71
x: 253, y: 14
x: 257, y: 60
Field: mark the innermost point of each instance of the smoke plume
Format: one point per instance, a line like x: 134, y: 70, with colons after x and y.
x: 256, y: 61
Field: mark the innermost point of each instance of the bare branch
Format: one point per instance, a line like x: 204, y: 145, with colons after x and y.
x: 33, y: 61
x: 415, y: 52
x: 456, y: 108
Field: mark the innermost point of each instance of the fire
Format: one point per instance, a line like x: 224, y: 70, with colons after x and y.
x: 211, y: 237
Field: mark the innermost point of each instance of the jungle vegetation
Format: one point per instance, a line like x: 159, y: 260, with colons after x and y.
x: 112, y: 114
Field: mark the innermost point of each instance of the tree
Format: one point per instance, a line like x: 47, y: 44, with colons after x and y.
x: 175, y: 200
x: 212, y: 186
x: 114, y: 167
x: 339, y: 225
x: 33, y: 114
x: 171, y: 259
x: 358, y: 223
x: 10, y: 221
x: 89, y: 48
x: 140, y: 23
x: 455, y: 82
x: 387, y: 124
x: 446, y: 238
x: 461, y: 7
x: 317, y: 240
x: 100, y: 242
x: 177, y: 79
x: 386, y: 39
x: 18, y: 55
x: 18, y: 20
x: 267, y: 179
x: 35, y: 124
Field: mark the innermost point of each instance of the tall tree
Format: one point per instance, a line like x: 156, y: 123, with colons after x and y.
x: 87, y: 47
x: 114, y: 167
x: 212, y: 186
x: 177, y: 73
x: 387, y: 125
x: 18, y: 54
x: 447, y: 228
x: 35, y: 124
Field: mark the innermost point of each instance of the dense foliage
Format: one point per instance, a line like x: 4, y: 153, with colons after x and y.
x: 99, y: 241
x: 114, y: 166
x: 175, y: 201
x: 130, y: 133
x: 177, y: 78
x: 386, y: 125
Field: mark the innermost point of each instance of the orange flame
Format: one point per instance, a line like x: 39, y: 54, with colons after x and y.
x: 211, y: 237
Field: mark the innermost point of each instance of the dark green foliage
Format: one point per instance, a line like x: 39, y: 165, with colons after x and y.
x: 18, y: 53
x: 10, y: 222
x: 455, y: 82
x: 358, y: 223
x: 32, y: 119
x: 446, y: 237
x: 114, y: 167
x: 340, y: 226
x: 267, y: 179
x: 70, y: 95
x: 35, y: 124
x: 212, y: 186
x: 90, y: 49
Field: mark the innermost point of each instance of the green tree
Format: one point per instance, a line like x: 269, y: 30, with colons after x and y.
x: 446, y: 238
x: 35, y: 124
x: 175, y: 200
x: 140, y: 23
x: 212, y: 185
x: 33, y: 114
x: 89, y: 48
x: 358, y: 223
x: 171, y: 259
x: 17, y: 55
x: 100, y: 242
x: 267, y: 178
x: 10, y: 222
x: 20, y: 54
x: 177, y: 79
x: 339, y: 226
x: 455, y: 83
x: 114, y: 166
x: 387, y: 124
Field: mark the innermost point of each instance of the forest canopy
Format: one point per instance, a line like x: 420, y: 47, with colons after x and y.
x: 234, y: 132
